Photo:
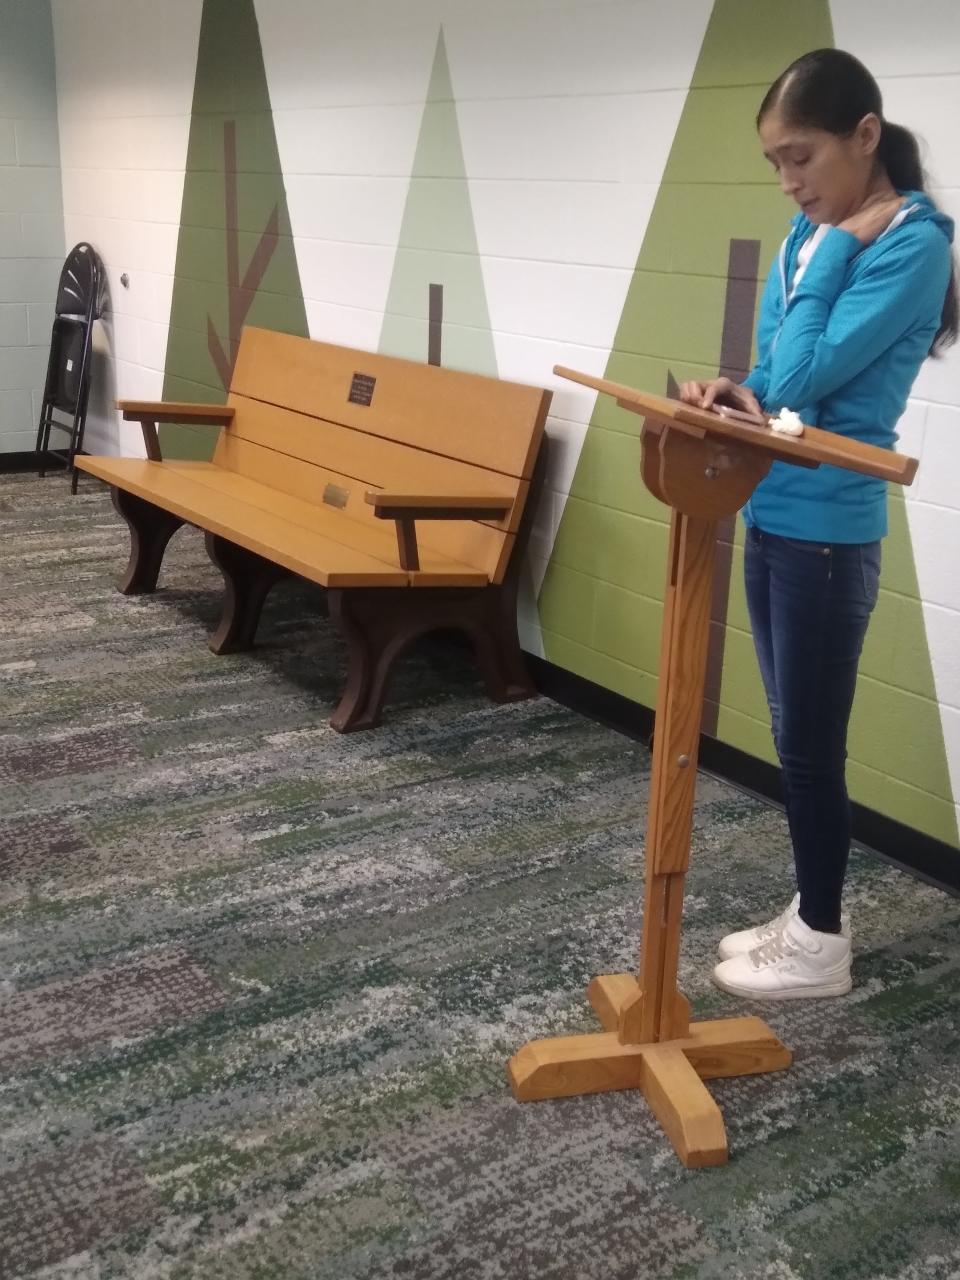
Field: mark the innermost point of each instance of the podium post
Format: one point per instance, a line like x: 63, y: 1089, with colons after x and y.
x: 704, y: 466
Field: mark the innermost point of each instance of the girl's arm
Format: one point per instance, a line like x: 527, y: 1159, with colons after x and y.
x: 758, y: 377
x: 830, y: 334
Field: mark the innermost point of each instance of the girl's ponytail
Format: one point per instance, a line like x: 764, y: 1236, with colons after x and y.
x: 899, y: 153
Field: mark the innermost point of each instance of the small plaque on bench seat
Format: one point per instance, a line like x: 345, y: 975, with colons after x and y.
x: 334, y: 496
x: 361, y: 388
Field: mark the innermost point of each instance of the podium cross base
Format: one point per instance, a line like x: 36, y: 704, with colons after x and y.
x: 669, y: 1073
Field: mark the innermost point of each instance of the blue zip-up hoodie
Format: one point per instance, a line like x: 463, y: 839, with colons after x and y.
x: 842, y: 350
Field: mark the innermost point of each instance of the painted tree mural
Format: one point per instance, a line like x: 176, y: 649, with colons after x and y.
x: 437, y: 306
x: 235, y: 255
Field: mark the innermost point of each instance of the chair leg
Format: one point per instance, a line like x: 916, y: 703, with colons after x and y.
x: 43, y: 439
x: 248, y: 579
x: 76, y: 437
x: 151, y: 528
x: 71, y: 455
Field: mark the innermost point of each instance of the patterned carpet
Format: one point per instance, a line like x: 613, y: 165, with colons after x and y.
x: 261, y: 980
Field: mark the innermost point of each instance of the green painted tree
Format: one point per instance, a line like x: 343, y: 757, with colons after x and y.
x: 436, y: 305
x: 600, y: 604
x: 236, y: 263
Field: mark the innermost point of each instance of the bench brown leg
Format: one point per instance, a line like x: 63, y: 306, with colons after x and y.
x: 378, y: 624
x: 151, y: 528
x: 248, y: 578
x: 506, y: 676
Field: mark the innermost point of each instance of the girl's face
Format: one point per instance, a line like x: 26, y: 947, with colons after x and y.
x: 828, y: 176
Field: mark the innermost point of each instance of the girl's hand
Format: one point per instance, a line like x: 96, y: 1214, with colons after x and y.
x: 720, y: 391
x: 873, y: 217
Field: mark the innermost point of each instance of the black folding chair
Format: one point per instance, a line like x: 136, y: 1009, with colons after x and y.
x: 67, y: 388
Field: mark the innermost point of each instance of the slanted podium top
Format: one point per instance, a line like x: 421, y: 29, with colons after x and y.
x: 809, y: 450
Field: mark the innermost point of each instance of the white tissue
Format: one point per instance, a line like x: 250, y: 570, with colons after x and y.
x: 787, y: 423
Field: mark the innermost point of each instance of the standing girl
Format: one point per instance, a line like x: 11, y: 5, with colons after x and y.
x: 862, y: 291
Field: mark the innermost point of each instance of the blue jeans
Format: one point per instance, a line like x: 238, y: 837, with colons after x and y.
x: 809, y: 604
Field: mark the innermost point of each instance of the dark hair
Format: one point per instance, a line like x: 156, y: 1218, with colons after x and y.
x: 832, y: 90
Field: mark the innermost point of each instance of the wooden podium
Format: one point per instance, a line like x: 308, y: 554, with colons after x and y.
x: 704, y: 466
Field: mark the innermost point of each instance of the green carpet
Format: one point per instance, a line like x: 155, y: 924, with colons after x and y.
x: 261, y: 980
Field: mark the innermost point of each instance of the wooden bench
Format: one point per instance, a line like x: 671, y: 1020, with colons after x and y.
x: 404, y: 489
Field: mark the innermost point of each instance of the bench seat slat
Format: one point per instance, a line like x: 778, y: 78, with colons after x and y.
x: 465, y: 542
x: 372, y: 538
x: 179, y: 488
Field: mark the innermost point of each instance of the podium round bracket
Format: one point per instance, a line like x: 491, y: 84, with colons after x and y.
x: 709, y: 478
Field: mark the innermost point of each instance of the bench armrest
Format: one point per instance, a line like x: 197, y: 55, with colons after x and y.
x: 151, y: 412
x: 407, y: 508
x: 440, y: 506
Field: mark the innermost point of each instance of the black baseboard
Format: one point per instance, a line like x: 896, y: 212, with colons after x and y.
x: 920, y: 855
x: 28, y: 461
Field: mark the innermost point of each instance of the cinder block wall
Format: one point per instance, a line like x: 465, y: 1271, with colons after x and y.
x: 31, y: 214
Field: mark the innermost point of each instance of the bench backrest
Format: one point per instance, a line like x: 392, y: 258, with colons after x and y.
x: 328, y: 423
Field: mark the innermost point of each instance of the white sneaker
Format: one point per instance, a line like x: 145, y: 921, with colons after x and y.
x: 738, y: 944
x: 795, y: 964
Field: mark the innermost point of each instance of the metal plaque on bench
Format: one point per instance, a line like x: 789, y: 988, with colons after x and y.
x: 334, y: 496
x: 361, y: 388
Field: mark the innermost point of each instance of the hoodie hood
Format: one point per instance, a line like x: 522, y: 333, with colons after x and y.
x: 919, y: 206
